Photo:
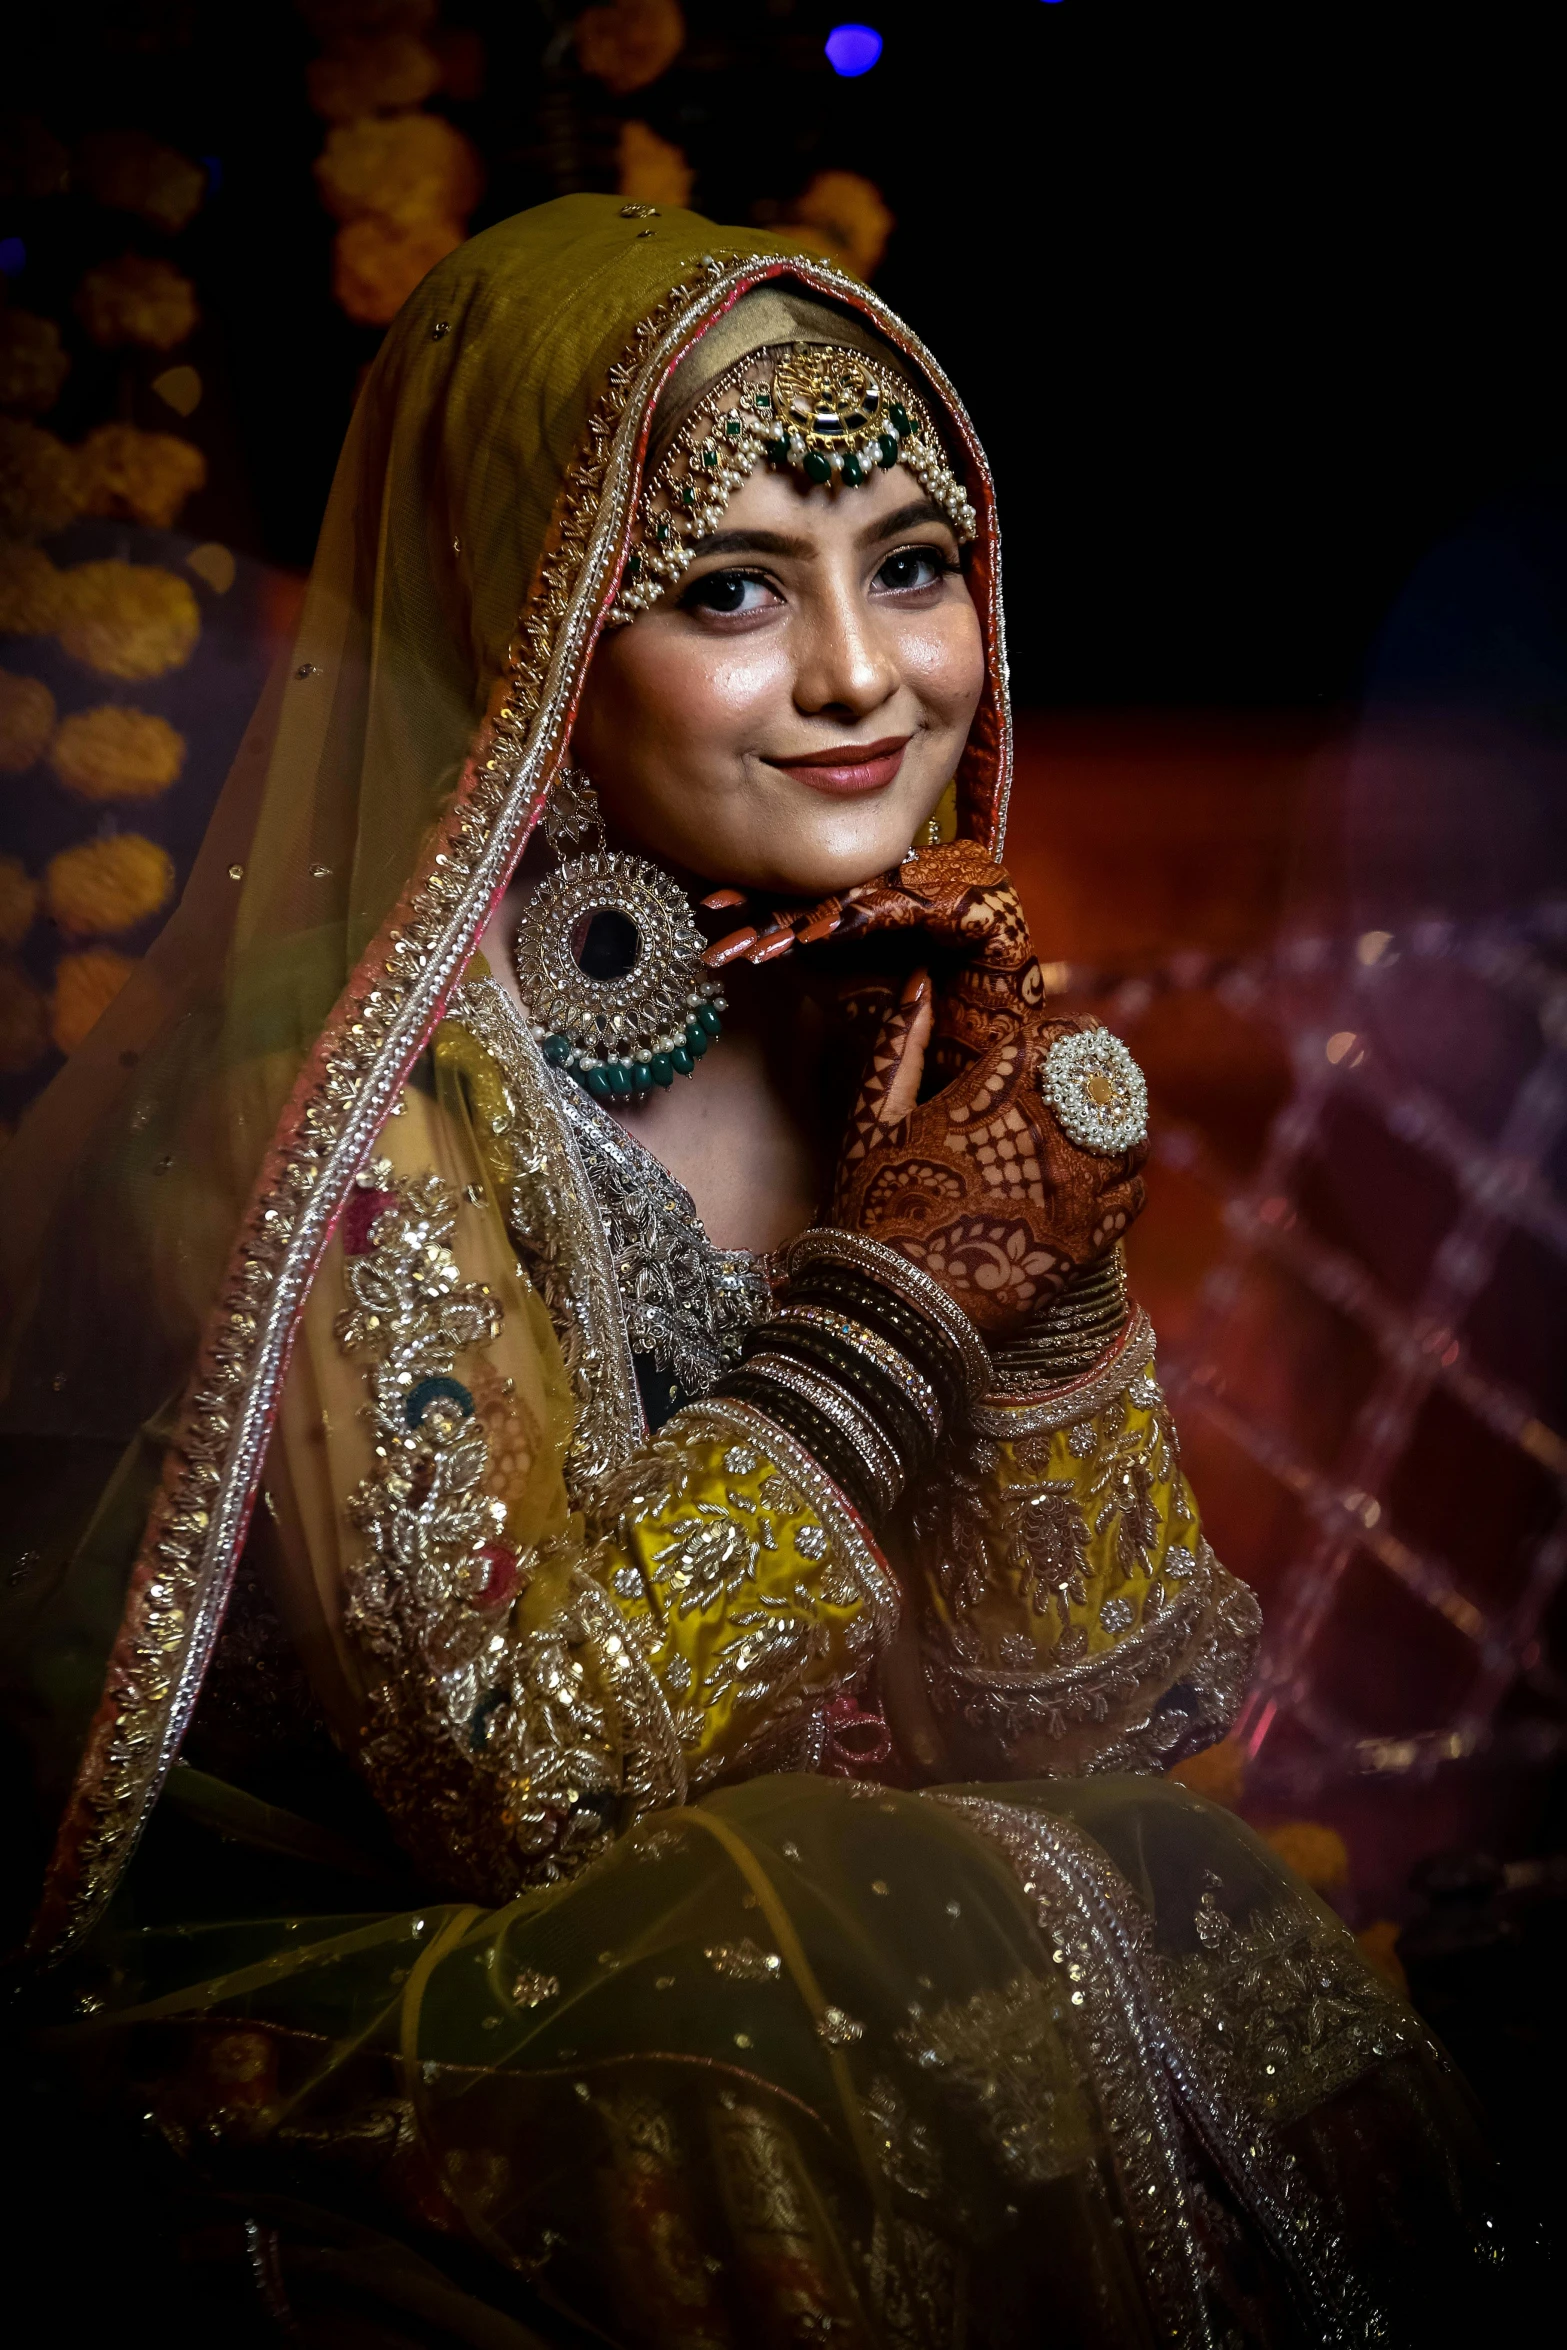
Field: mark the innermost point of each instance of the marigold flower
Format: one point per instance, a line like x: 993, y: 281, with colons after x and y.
x: 134, y: 300
x: 1313, y: 1850
x: 376, y: 264
x: 39, y: 487
x: 26, y: 722
x: 85, y: 985
x: 630, y: 43
x: 32, y: 364
x: 410, y: 169
x: 142, y: 476
x: 115, y: 754
x: 30, y: 590
x: 128, y: 619
x: 107, y: 885
x: 652, y: 170
x: 1218, y: 1772
x: 132, y: 172
x: 18, y: 901
x: 846, y: 214
x: 1379, y: 1948
x: 24, y: 1021
x: 375, y: 76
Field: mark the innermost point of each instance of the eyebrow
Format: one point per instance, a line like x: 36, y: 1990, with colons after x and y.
x: 775, y: 542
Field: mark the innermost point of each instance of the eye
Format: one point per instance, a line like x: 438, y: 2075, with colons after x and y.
x: 726, y: 593
x: 911, y: 569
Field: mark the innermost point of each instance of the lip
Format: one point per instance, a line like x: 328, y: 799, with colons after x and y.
x: 849, y: 768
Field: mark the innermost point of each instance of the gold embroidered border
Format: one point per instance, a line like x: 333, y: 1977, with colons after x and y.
x: 1207, y: 1638
x: 610, y: 1421
x: 1006, y: 1416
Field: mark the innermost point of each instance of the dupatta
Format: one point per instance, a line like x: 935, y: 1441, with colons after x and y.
x: 166, y: 1205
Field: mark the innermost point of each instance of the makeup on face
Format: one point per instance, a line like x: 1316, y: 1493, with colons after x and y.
x: 848, y: 769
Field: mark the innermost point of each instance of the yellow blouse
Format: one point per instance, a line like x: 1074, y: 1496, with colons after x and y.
x: 529, y: 1622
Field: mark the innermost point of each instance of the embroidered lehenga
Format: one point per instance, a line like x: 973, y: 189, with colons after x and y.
x: 398, y: 1517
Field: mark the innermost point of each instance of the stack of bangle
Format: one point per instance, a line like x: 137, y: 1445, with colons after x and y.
x: 866, y: 1363
x: 1087, y: 1317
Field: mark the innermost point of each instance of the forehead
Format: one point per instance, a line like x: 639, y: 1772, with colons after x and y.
x: 781, y: 503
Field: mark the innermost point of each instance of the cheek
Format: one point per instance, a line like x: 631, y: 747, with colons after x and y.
x: 942, y: 655
x: 697, y: 698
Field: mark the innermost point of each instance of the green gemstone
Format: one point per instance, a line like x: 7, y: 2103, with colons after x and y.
x: 764, y: 400
x: 663, y: 1069
x: 887, y: 444
x: 776, y: 452
x: 661, y: 533
x: 597, y: 1083
x: 555, y: 1049
x: 732, y: 427
x: 641, y: 1075
x: 680, y: 1059
x: 709, y: 1019
x: 697, y: 1039
x: 816, y: 466
x: 853, y: 470
x: 710, y: 459
x: 902, y: 421
x: 633, y: 566
x: 687, y: 495
x: 619, y: 1077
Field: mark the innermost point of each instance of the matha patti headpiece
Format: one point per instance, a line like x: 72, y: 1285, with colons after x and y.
x: 829, y: 413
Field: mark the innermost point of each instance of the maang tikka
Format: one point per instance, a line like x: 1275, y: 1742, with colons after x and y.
x: 609, y: 960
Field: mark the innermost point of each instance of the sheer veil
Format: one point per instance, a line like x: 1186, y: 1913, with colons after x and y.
x: 165, y: 1205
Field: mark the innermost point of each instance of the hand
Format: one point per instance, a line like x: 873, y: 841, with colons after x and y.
x: 957, y: 896
x: 980, y: 1186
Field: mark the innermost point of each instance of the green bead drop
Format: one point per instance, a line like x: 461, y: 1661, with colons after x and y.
x: 776, y: 452
x: 697, y: 1039
x: 663, y: 1069
x: 619, y: 1077
x: 853, y: 471
x: 887, y: 444
x: 902, y: 421
x: 709, y: 1019
x: 817, y: 468
x: 597, y: 1083
x: 680, y: 1059
x: 641, y: 1075
x: 555, y: 1049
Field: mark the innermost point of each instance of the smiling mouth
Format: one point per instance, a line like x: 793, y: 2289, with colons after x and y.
x: 850, y: 768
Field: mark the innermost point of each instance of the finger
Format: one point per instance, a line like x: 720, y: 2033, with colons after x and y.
x: 918, y: 1004
x: 722, y: 899
x: 891, y: 1084
x: 730, y: 949
x: 771, y: 945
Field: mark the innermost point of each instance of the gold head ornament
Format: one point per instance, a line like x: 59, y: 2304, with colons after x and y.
x: 833, y: 415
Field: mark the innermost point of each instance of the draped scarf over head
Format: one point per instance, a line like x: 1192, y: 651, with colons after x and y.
x: 165, y: 1207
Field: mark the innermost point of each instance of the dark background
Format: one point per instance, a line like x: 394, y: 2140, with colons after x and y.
x: 1257, y: 314
x: 1253, y: 310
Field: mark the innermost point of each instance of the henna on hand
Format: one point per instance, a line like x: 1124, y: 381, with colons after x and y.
x: 959, y: 898
x: 980, y: 1186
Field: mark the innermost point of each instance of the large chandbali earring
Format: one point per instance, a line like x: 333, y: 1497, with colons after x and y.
x: 609, y: 960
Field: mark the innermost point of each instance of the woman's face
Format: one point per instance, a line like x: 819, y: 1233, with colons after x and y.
x: 788, y: 718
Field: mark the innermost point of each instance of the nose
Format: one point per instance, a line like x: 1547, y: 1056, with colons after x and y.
x: 844, y: 668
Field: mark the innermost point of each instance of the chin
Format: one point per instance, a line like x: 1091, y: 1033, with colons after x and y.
x: 815, y: 854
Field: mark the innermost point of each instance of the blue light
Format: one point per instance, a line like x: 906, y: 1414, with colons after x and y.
x: 13, y: 256
x: 213, y: 167
x: 853, y: 49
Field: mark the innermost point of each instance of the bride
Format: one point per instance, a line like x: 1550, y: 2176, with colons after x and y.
x: 611, y: 1584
